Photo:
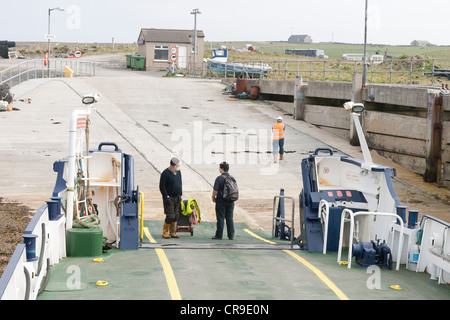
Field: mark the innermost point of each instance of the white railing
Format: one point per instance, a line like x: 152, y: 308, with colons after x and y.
x: 352, y: 216
x: 324, y: 213
x: 34, y: 69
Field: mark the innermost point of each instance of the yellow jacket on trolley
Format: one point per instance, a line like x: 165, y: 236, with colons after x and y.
x: 187, y: 207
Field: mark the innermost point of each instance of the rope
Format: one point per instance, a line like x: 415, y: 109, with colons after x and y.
x: 90, y: 221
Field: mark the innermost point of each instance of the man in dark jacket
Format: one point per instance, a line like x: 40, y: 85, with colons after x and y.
x: 170, y: 186
x: 224, y: 208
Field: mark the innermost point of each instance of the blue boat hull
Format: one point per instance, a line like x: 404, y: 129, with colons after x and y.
x: 237, y: 69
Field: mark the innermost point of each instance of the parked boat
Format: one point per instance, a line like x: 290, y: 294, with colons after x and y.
x: 219, y: 65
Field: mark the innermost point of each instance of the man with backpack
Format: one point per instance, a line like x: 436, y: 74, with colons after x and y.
x: 225, y: 193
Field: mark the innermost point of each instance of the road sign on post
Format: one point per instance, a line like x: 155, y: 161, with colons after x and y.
x: 173, y: 54
x: 77, y: 54
x: 173, y: 57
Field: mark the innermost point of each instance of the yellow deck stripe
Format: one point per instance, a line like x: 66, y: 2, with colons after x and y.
x: 319, y: 273
x: 258, y: 237
x: 316, y: 271
x: 168, y: 272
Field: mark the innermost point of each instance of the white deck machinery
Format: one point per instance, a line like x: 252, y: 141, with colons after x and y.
x: 96, y: 188
x: 351, y: 203
x: 94, y: 207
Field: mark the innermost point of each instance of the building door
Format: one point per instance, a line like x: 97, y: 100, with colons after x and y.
x: 182, y: 57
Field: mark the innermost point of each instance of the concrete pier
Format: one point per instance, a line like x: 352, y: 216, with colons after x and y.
x: 407, y: 124
x: 151, y: 118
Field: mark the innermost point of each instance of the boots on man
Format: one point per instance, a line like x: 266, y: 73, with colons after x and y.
x: 173, y: 227
x: 165, y: 233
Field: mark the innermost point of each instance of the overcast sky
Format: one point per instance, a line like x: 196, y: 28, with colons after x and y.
x: 389, y: 21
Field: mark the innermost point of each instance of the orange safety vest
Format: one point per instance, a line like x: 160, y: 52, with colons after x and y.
x: 278, y: 131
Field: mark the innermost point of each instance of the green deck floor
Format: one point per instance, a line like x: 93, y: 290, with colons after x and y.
x: 200, y: 268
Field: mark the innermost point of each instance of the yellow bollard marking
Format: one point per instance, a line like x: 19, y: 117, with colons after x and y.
x: 168, y: 272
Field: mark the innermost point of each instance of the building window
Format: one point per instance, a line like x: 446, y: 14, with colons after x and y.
x: 162, y: 53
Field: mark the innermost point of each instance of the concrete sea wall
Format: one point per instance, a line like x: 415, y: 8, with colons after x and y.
x: 408, y: 124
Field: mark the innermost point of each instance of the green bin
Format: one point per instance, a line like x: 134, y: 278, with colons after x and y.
x: 128, y: 56
x: 137, y: 62
x: 81, y: 242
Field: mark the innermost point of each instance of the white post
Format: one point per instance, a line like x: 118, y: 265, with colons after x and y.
x: 195, y: 12
x: 362, y: 141
x: 364, y: 79
x: 71, y: 163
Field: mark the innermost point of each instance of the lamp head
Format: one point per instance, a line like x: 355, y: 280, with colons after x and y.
x: 354, y: 107
x: 90, y: 98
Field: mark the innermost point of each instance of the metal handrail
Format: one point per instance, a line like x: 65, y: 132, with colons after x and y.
x: 351, y: 220
x: 321, y: 69
x: 275, y: 219
x: 35, y: 68
x: 323, y: 214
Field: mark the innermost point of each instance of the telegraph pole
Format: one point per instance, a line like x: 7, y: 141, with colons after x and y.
x: 364, y: 77
x: 195, y: 12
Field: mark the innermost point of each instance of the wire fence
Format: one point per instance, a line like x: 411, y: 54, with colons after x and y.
x: 427, y: 72
x: 36, y: 68
x: 393, y: 71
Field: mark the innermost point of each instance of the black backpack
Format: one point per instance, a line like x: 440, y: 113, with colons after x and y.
x: 230, y: 190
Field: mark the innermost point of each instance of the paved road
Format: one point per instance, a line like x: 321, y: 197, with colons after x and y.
x: 151, y: 118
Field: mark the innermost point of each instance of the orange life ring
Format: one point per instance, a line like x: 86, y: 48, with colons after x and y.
x: 46, y: 59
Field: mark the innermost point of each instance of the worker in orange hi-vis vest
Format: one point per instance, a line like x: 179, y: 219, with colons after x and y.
x: 278, y: 139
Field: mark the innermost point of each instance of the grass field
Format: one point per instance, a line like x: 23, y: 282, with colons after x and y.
x: 38, y: 49
x: 266, y: 50
x: 410, y: 65
x: 336, y: 50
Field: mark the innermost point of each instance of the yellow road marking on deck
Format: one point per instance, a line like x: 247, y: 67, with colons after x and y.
x: 258, y: 237
x: 316, y: 271
x: 319, y: 273
x: 168, y: 272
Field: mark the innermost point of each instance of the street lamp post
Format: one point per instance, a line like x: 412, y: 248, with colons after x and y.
x: 48, y: 34
x: 195, y: 12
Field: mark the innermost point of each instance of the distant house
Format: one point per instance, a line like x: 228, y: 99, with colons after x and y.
x: 300, y: 38
x: 155, y: 44
x: 421, y: 43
